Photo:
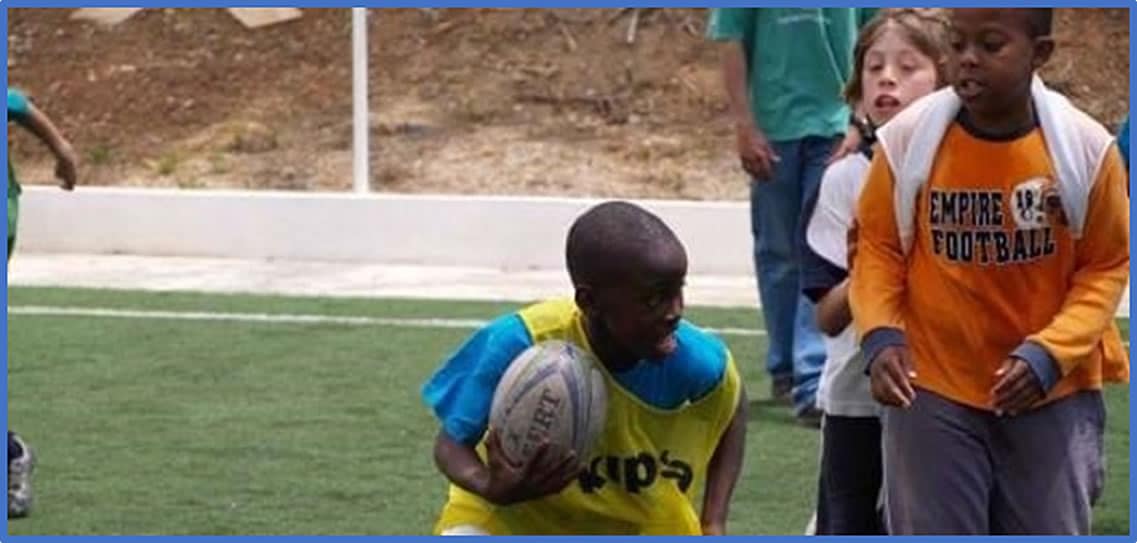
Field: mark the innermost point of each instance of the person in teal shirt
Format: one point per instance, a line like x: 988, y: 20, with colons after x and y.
x: 21, y: 110
x: 785, y: 69
x: 1123, y: 142
x: 24, y: 113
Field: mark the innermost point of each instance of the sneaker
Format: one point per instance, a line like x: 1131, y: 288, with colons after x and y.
x: 809, y: 417
x: 20, y: 481
x: 781, y: 390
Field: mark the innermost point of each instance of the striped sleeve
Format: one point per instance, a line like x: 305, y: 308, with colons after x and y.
x: 877, y: 281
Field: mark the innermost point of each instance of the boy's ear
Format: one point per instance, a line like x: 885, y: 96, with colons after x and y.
x: 585, y: 298
x: 1043, y: 49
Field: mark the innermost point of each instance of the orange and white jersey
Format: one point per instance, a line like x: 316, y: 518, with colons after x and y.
x: 974, y: 249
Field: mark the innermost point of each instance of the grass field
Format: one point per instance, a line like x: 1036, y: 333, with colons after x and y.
x: 155, y: 423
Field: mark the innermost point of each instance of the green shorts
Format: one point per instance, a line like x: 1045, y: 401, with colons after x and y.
x: 13, y: 215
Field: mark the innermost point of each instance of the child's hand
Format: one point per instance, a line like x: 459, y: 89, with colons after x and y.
x: 851, y: 246
x: 757, y: 156
x: 847, y: 145
x: 67, y: 168
x: 549, y: 471
x: 1017, y: 388
x: 890, y: 377
x: 714, y: 529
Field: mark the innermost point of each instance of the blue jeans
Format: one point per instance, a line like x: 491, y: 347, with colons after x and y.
x: 795, y: 344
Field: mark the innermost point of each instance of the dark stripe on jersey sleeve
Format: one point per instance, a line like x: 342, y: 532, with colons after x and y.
x: 818, y: 276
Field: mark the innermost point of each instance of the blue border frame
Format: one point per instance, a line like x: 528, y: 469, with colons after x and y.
x: 5, y: 5
x: 4, y: 295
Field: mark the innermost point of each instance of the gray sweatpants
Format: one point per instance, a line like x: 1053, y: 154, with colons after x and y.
x: 950, y: 469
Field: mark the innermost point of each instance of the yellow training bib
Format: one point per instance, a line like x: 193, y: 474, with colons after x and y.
x: 644, y: 473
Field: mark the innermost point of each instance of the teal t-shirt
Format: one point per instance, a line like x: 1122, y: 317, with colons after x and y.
x: 17, y: 111
x: 798, y: 60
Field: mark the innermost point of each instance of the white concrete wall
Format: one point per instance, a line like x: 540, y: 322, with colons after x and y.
x: 504, y: 233
x: 510, y: 233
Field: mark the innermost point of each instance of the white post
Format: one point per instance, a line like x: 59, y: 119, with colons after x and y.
x: 361, y: 123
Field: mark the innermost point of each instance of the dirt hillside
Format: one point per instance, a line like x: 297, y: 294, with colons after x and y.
x: 533, y: 101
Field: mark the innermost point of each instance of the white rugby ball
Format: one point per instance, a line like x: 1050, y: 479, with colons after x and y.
x: 553, y: 390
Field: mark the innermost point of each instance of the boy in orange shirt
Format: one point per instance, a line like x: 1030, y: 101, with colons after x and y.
x: 992, y: 253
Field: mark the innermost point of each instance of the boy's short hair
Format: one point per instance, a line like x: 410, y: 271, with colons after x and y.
x: 926, y: 28
x: 1040, y: 22
x: 610, y: 234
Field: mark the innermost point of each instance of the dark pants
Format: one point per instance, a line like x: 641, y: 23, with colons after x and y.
x: 848, y: 490
x: 950, y: 469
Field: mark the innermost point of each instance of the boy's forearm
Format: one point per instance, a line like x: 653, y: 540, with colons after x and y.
x: 1089, y: 309
x: 724, y: 469
x: 735, y: 77
x: 1096, y: 287
x: 875, y: 295
x: 461, y: 464
x: 833, y: 312
x: 41, y: 125
x: 878, y: 281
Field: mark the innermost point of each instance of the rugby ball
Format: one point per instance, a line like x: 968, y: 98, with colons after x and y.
x: 553, y: 390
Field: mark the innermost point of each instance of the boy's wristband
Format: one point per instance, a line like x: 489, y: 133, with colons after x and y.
x: 1044, y: 366
x: 879, y: 340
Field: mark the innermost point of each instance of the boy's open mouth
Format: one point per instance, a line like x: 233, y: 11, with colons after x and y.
x: 968, y: 88
x: 886, y: 101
